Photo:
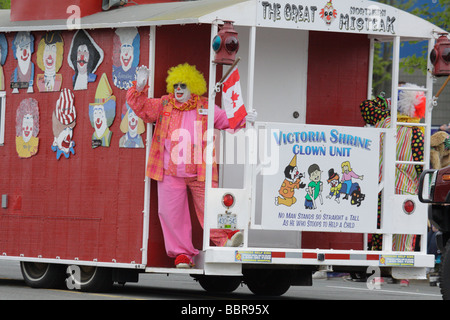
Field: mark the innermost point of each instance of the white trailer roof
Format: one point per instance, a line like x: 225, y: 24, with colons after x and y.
x: 354, y: 16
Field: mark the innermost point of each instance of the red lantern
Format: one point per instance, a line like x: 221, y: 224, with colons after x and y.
x: 440, y: 56
x: 226, y: 44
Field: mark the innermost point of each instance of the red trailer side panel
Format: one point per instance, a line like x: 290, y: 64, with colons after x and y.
x: 88, y: 206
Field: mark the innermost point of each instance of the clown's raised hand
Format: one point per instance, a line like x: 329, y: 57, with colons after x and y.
x: 142, y: 74
x: 251, y: 116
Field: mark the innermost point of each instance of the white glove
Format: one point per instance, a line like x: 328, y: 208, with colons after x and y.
x: 141, y: 78
x: 251, y: 116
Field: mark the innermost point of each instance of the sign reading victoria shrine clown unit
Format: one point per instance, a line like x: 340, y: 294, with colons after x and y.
x: 327, y: 179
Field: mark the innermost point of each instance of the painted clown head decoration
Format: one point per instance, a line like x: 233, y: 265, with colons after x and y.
x: 23, y: 47
x: 102, y: 113
x: 125, y: 57
x: 328, y: 13
x: 84, y: 58
x: 63, y: 119
x: 132, y: 126
x: 184, y: 80
x: 49, y: 59
x: 27, y: 128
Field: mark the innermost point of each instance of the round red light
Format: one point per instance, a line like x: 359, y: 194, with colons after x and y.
x: 408, y: 206
x: 228, y: 200
x: 232, y: 44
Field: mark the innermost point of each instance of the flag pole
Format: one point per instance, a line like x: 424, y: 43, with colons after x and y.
x: 229, y: 71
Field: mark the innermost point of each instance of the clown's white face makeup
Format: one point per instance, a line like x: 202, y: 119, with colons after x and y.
x: 64, y: 140
x: 27, y: 127
x: 181, y: 92
x: 99, y: 120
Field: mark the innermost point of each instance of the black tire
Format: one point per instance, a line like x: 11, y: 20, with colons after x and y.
x: 445, y: 273
x: 219, y: 284
x: 267, y: 282
x: 90, y: 279
x: 43, y: 275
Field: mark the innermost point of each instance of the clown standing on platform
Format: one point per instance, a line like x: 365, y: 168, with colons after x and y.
x: 176, y: 155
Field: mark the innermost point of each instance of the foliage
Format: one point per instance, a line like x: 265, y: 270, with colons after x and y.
x: 437, y: 13
x: 5, y: 4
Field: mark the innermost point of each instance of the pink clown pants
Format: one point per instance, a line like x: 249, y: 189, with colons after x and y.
x: 174, y: 215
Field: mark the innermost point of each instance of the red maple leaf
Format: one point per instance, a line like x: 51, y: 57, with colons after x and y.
x: 234, y: 97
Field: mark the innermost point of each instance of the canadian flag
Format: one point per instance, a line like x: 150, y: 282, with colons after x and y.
x: 232, y: 100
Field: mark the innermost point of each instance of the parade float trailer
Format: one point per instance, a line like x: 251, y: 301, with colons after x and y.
x: 88, y: 216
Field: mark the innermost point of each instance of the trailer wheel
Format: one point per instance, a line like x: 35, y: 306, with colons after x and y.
x: 94, y: 279
x: 43, y: 275
x: 267, y: 282
x: 219, y: 284
x: 445, y: 273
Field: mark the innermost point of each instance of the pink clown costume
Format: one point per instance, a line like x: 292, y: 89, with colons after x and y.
x: 176, y: 157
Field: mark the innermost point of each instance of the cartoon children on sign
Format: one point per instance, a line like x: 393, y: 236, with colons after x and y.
x: 347, y: 175
x: 102, y: 113
x: 335, y: 185
x: 49, y: 59
x: 63, y: 120
x: 27, y: 128
x: 84, y: 57
x: 314, y: 188
x: 125, y: 57
x: 291, y: 182
x: 133, y: 127
x: 23, y: 75
x: 3, y: 55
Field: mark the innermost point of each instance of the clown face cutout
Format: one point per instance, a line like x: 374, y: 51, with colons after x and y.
x: 84, y: 58
x: 49, y: 59
x: 63, y: 119
x: 125, y: 57
x: 23, y: 47
x: 27, y: 128
x: 181, y: 92
x: 133, y: 127
x: 102, y: 113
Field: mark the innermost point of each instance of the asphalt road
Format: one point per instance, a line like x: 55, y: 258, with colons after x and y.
x: 183, y: 288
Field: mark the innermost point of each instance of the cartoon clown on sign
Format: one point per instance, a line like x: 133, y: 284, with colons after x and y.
x: 176, y: 155
x: 328, y: 13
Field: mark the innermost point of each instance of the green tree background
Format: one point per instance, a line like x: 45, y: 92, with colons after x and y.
x: 437, y: 12
x: 5, y: 4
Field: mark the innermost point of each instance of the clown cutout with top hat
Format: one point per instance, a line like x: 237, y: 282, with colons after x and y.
x: 63, y: 119
x: 410, y: 142
x: 176, y: 155
x: 102, y: 113
x: 23, y: 75
x: 49, y: 59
